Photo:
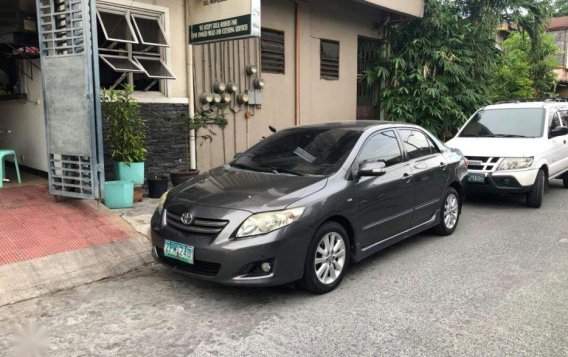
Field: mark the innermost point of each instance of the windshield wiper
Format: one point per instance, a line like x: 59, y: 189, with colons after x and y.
x: 509, y: 136
x: 249, y: 168
x: 272, y: 170
x: 285, y: 171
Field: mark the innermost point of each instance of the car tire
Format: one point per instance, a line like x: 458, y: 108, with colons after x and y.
x: 323, y: 259
x: 450, y: 213
x: 535, y: 195
x: 565, y: 180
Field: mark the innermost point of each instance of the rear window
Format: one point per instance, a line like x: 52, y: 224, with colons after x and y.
x: 514, y: 123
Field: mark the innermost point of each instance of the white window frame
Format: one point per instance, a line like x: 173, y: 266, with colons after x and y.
x: 138, y: 9
x: 135, y: 17
x: 128, y: 22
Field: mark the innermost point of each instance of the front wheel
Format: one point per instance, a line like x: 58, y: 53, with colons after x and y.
x: 535, y: 195
x: 450, y: 213
x: 327, y: 259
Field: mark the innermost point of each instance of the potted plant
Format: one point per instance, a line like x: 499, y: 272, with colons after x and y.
x: 126, y: 133
x: 201, y: 122
x: 157, y: 186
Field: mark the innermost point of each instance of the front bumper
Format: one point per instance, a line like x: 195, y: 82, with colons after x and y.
x: 514, y: 181
x: 235, y: 262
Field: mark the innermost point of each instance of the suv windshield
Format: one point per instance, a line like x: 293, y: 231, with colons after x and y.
x: 300, y: 151
x: 513, y: 123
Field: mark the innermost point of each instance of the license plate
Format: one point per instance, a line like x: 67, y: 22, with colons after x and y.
x: 476, y: 178
x: 179, y: 251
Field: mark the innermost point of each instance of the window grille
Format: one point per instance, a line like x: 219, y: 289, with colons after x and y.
x: 329, y: 59
x: 272, y: 51
x: 61, y: 24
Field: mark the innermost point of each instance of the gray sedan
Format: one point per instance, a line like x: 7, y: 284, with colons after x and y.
x: 304, y: 203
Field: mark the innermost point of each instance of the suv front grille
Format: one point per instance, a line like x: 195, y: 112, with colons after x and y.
x: 481, y: 163
x: 198, y: 266
x: 198, y: 225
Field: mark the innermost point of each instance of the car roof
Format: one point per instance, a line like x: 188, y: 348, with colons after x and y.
x: 528, y: 105
x: 356, y: 125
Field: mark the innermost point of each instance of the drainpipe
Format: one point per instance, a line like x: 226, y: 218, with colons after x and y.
x: 190, y: 92
x: 297, y: 61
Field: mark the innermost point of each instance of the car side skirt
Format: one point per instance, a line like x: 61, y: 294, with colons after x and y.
x: 369, y: 250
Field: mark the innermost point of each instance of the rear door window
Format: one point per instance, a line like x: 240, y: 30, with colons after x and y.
x: 417, y: 144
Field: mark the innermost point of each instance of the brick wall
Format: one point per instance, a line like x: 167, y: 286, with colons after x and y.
x: 165, y: 139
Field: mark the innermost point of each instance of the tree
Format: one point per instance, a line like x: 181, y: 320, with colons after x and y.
x: 560, y: 8
x: 523, y: 73
x: 438, y: 70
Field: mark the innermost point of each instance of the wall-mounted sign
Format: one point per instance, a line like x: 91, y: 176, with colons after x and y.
x: 221, y: 20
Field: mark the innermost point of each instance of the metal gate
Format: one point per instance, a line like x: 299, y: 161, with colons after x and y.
x: 67, y: 35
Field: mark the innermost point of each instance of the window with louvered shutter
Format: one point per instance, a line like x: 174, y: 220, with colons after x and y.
x: 329, y: 59
x: 272, y: 51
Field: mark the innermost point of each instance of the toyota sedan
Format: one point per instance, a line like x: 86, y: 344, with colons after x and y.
x: 306, y: 202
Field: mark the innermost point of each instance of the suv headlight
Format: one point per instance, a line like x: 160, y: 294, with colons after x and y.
x: 262, y: 223
x: 514, y: 163
x: 162, y: 201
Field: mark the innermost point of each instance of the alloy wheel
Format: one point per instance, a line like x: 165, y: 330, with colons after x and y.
x: 329, y: 258
x: 451, y: 211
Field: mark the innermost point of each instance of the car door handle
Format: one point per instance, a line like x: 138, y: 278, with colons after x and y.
x: 407, y: 177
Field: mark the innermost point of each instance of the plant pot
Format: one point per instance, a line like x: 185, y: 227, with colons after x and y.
x: 182, y: 175
x: 138, y: 193
x: 157, y: 186
x: 119, y: 194
x: 133, y: 171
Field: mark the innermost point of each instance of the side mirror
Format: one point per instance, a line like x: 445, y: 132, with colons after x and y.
x: 559, y: 131
x: 375, y: 168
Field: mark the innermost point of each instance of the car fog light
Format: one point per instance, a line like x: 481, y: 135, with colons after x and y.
x: 266, y: 267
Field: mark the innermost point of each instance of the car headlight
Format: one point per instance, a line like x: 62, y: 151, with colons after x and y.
x: 262, y: 223
x: 162, y: 201
x: 514, y: 163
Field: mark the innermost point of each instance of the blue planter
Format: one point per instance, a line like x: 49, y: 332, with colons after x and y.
x: 133, y: 172
x: 119, y: 194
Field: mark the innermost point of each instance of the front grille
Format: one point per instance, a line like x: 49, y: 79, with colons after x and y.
x: 481, y: 163
x: 198, y: 266
x: 198, y: 225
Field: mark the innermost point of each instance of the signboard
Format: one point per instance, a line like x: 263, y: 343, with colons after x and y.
x: 221, y: 20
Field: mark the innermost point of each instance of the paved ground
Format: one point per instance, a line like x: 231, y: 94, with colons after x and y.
x: 498, y: 286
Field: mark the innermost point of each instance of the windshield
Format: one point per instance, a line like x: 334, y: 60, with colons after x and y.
x: 513, y: 123
x: 300, y: 151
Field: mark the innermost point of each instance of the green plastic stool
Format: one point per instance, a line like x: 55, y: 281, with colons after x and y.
x: 3, y: 154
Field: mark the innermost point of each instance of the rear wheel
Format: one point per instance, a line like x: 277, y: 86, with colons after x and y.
x: 450, y: 213
x: 535, y: 195
x: 327, y: 259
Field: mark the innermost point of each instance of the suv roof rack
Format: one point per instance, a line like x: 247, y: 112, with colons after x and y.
x: 541, y: 99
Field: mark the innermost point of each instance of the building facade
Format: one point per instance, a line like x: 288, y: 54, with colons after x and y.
x: 307, y: 63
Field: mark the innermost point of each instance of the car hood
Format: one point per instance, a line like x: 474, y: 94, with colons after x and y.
x: 497, y: 147
x: 245, y: 190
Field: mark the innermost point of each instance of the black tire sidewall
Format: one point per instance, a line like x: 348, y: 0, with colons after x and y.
x: 535, y: 196
x: 310, y: 280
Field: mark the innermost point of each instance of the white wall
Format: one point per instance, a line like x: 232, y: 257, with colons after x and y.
x: 26, y: 122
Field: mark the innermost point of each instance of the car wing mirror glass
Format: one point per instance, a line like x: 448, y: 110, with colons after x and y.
x: 559, y: 131
x: 375, y: 168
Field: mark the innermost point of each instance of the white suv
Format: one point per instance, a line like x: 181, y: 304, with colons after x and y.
x: 516, y: 147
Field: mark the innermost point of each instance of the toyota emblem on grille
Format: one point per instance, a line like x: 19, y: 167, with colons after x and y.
x: 186, y: 218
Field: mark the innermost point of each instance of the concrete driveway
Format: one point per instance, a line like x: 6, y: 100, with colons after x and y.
x: 498, y: 286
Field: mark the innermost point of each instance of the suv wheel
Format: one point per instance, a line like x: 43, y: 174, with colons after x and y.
x: 450, y: 213
x: 534, y: 197
x: 327, y: 259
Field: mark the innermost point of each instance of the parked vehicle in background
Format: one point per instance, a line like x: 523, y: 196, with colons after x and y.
x: 306, y: 202
x: 516, y: 147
